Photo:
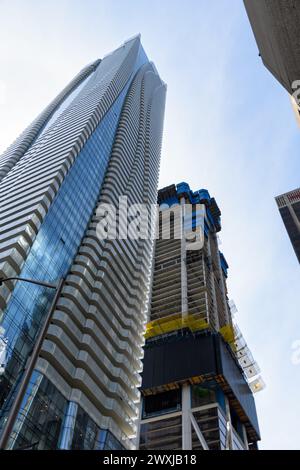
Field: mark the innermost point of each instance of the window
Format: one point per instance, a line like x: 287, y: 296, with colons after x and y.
x: 161, y: 403
x: 202, y: 396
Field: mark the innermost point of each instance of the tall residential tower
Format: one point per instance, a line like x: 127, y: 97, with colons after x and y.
x: 98, y: 140
x: 199, y: 374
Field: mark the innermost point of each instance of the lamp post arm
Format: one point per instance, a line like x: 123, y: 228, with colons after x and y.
x: 31, y: 281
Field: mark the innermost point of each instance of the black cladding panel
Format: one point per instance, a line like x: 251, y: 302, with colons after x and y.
x: 240, y: 388
x: 176, y: 360
x: 182, y: 357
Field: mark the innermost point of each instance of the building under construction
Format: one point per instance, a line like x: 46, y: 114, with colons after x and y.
x: 199, y: 375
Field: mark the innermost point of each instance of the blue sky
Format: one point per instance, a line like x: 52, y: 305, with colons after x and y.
x: 229, y: 128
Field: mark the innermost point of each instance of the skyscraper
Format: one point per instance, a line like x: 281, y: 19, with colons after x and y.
x: 198, y: 374
x: 275, y: 25
x: 98, y: 140
x: 289, y: 208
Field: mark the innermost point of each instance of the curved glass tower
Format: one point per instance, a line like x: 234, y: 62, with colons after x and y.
x: 98, y: 140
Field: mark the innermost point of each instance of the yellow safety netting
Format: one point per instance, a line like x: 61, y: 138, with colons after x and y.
x: 193, y: 322
x: 227, y: 332
x: 175, y: 322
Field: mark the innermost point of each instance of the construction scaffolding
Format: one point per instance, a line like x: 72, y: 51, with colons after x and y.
x: 231, y: 334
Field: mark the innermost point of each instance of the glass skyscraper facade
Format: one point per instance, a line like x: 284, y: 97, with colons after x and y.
x: 98, y: 140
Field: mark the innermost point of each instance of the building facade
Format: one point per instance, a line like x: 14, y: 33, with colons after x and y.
x: 275, y: 28
x: 289, y: 208
x: 275, y: 25
x: 199, y: 375
x: 98, y: 140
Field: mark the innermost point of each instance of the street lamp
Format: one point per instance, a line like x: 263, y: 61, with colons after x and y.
x: 30, y: 365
